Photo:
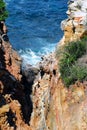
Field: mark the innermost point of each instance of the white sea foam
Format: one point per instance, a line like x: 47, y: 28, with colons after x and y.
x: 33, y: 27
x: 30, y: 57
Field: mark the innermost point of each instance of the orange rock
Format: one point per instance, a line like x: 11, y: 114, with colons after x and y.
x: 78, y: 19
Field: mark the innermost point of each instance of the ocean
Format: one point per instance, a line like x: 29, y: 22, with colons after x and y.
x: 34, y: 27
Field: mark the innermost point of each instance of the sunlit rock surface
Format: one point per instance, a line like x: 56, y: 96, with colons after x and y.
x: 37, y: 99
x: 75, y: 26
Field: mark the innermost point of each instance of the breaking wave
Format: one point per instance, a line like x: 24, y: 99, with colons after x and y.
x: 34, y: 26
x: 31, y: 57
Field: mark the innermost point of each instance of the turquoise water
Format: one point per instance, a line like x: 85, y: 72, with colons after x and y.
x: 34, y: 26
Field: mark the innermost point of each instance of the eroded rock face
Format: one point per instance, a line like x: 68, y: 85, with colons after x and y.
x: 43, y: 103
x: 15, y: 104
x: 14, y: 107
x: 11, y: 60
x: 55, y: 107
x: 75, y: 26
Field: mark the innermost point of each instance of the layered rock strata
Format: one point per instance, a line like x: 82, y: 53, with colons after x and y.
x: 15, y: 109
x: 39, y: 100
x: 75, y: 26
x: 54, y: 106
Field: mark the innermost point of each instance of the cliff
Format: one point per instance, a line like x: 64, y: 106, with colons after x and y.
x: 37, y: 99
x: 54, y: 106
x: 15, y: 110
x: 75, y: 26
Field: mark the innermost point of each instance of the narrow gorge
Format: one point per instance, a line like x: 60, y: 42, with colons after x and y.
x: 37, y: 98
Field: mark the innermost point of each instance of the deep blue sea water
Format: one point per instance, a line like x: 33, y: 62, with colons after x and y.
x: 34, y: 26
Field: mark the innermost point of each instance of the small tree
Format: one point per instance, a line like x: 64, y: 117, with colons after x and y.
x: 3, y: 12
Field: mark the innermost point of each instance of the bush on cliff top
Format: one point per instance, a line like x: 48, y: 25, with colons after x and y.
x: 70, y: 69
x: 3, y: 12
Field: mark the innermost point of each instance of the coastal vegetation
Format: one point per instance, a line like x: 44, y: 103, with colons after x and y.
x: 3, y: 12
x: 73, y: 62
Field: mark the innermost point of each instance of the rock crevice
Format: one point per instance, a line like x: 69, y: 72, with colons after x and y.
x: 37, y: 99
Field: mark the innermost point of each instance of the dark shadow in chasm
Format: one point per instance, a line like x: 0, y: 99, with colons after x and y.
x: 18, y: 91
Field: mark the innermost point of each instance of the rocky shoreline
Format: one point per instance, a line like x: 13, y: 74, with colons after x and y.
x: 35, y: 98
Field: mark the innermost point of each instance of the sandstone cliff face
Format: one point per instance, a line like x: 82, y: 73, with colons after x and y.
x: 12, y: 62
x: 75, y: 26
x: 14, y: 108
x: 53, y: 106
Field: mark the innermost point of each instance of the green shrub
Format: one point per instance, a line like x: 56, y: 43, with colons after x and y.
x: 3, y: 12
x: 76, y: 73
x: 70, y: 70
x: 80, y: 72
